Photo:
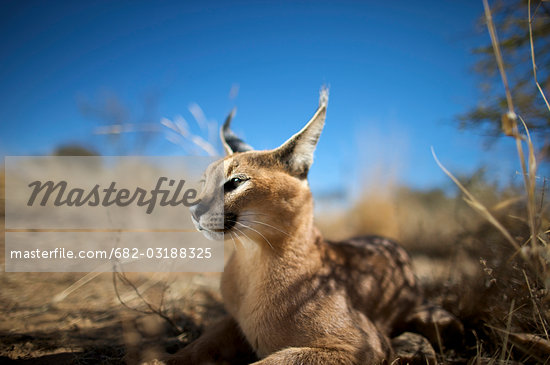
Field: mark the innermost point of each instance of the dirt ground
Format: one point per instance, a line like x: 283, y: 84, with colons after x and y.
x: 84, y: 318
x: 77, y: 318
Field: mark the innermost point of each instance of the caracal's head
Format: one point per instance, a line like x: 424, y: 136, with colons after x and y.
x: 266, y: 196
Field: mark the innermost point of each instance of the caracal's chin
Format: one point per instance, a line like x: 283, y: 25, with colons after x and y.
x: 213, y: 236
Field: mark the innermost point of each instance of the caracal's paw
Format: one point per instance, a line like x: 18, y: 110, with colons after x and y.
x: 153, y: 362
x: 438, y: 325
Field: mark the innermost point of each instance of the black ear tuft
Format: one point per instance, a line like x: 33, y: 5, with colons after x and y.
x: 232, y: 143
x: 297, y: 152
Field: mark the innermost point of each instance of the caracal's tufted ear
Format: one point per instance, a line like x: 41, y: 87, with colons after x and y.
x: 232, y: 143
x: 297, y: 152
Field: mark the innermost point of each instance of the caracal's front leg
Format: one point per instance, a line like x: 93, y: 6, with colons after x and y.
x: 223, y: 343
x: 322, y: 356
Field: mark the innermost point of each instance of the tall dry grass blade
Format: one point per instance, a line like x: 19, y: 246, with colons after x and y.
x: 479, y: 348
x: 533, y: 346
x: 439, y: 343
x: 74, y: 286
x: 511, y: 115
x: 506, y: 203
x: 507, y: 333
x: 529, y: 171
x: 498, y: 55
x: 474, y: 203
x: 533, y: 53
x: 536, y: 306
x: 531, y: 185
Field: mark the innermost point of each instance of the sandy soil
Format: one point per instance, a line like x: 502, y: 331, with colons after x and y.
x: 77, y: 318
x: 53, y: 318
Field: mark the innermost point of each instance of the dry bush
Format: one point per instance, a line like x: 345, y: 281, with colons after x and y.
x: 505, y: 304
x: 424, y: 221
x: 498, y: 294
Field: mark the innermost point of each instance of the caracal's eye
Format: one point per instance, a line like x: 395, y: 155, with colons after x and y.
x: 233, y: 183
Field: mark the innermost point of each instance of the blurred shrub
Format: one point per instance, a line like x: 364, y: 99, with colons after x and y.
x: 426, y: 221
x: 74, y: 150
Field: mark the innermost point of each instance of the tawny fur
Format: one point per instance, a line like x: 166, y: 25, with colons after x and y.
x: 293, y: 297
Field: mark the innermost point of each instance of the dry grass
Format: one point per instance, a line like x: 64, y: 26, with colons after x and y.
x: 493, y: 277
x: 423, y: 221
x: 504, y: 303
x: 465, y: 263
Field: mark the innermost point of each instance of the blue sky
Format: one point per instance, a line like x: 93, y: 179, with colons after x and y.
x: 399, y: 72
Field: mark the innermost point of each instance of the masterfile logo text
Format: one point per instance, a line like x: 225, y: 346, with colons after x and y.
x: 106, y: 213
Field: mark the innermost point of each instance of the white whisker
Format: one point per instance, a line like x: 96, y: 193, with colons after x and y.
x: 268, y: 225
x: 246, y: 214
x: 252, y: 229
x: 233, y: 238
x: 244, y: 234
